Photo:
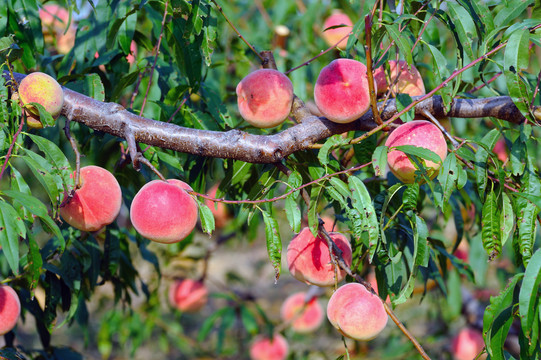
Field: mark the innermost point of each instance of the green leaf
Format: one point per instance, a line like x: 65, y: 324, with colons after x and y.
x: 511, y: 11
x: 421, y: 252
x: 19, y: 184
x: 249, y: 320
x: 441, y: 72
x: 206, y: 217
x: 464, y: 27
x: 293, y: 214
x: 362, y: 202
x: 491, y: 232
x: 421, y: 152
x: 59, y: 162
x: 90, y: 85
x: 448, y: 176
x: 330, y: 144
x: 274, y: 243
x: 37, y: 208
x: 35, y: 262
x: 481, y: 157
x: 516, y: 59
x: 44, y: 173
x: 379, y: 160
x: 340, y: 186
x: 526, y: 224
x: 410, y: 197
x: 507, y: 219
x: 12, y: 229
x: 529, y: 293
x: 401, y: 40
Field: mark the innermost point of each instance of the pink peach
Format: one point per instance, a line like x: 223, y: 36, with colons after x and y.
x: 356, y: 312
x: 163, y: 211
x: 341, y: 90
x: 305, y: 316
x: 188, y: 295
x: 418, y: 133
x: 333, y: 36
x: 264, y: 348
x: 96, y: 203
x: 467, y: 344
x: 309, y: 260
x: 42, y: 89
x: 265, y: 98
x: 10, y: 309
x: 54, y: 20
x: 402, y: 79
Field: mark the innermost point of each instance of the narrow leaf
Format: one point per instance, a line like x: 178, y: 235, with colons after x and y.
x: 529, y: 293
x: 491, y: 232
x: 274, y: 243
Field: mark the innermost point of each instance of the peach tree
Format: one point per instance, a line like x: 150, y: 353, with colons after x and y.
x: 397, y: 141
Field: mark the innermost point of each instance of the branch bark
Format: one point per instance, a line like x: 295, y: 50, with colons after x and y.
x: 235, y: 144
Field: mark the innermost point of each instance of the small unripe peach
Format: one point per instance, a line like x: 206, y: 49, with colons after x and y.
x: 163, y: 211
x: 188, y: 295
x: 332, y: 36
x: 467, y: 344
x: 264, y: 348
x: 42, y: 89
x: 96, y: 203
x: 10, y: 309
x: 265, y: 97
x: 341, y: 91
x: 309, y: 260
x: 356, y: 312
x: 418, y: 133
x: 305, y: 316
x: 403, y: 80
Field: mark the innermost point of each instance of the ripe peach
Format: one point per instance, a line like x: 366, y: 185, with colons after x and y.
x: 54, y: 20
x: 264, y: 348
x: 467, y: 344
x: 305, y: 316
x: 402, y: 79
x: 188, y: 295
x: 341, y: 90
x: 309, y: 260
x: 419, y: 133
x: 42, y: 89
x: 163, y: 211
x: 10, y: 309
x: 500, y: 149
x: 265, y: 97
x: 356, y: 312
x: 218, y: 209
x: 332, y: 36
x: 96, y: 203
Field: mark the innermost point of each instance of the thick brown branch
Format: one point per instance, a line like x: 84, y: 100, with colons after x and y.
x: 235, y: 144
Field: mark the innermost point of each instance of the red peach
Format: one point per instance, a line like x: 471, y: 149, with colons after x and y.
x: 418, y: 133
x: 341, y: 90
x: 188, y: 295
x: 264, y: 348
x: 356, y: 312
x: 163, y: 211
x: 10, y: 309
x: 265, y: 97
x: 467, y: 344
x: 309, y: 260
x: 500, y: 149
x: 305, y: 317
x: 42, y: 89
x: 332, y: 36
x: 403, y: 79
x: 218, y: 209
x: 96, y: 203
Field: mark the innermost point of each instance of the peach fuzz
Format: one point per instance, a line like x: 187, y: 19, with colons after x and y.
x: 467, y: 344
x: 96, y: 203
x: 265, y: 97
x: 188, y: 295
x: 42, y: 89
x: 218, y: 209
x: 309, y: 260
x: 305, y: 316
x: 264, y: 348
x: 418, y: 133
x: 403, y: 80
x: 356, y: 312
x: 163, y: 211
x: 333, y: 36
x: 10, y: 309
x: 341, y: 90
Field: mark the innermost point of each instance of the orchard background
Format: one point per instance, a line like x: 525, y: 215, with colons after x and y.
x: 176, y: 64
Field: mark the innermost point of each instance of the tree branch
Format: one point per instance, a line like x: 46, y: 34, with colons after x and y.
x: 113, y: 119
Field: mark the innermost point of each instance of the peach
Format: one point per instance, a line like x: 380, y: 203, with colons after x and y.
x: 305, y: 317
x: 309, y: 260
x: 467, y: 344
x: 500, y: 149
x: 332, y: 36
x: 264, y: 348
x: 218, y: 209
x: 163, y: 211
x: 10, y: 309
x: 32, y: 121
x: 265, y: 97
x: 356, y: 312
x: 54, y: 20
x: 96, y: 203
x: 418, y: 133
x: 188, y: 295
x: 402, y: 79
x: 341, y: 90
x: 42, y: 89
